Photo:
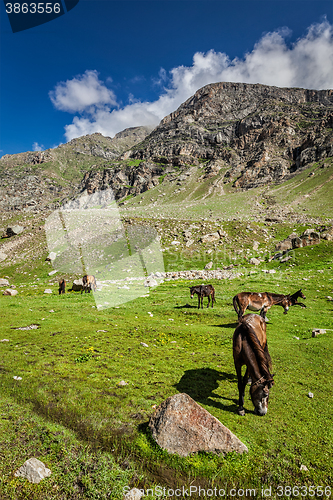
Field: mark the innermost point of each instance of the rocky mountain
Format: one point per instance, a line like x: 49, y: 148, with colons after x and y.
x: 244, y: 135
x: 35, y: 180
x: 227, y: 137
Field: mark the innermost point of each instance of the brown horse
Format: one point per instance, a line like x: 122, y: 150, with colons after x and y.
x: 264, y: 301
x: 89, y: 282
x: 62, y: 286
x: 203, y: 291
x: 250, y: 349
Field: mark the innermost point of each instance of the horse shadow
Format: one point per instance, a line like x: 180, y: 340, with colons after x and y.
x: 186, y: 306
x: 228, y: 325
x: 200, y: 385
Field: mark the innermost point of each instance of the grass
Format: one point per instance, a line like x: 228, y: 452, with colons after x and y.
x: 70, y: 411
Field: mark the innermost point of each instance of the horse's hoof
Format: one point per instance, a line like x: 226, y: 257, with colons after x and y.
x: 241, y: 413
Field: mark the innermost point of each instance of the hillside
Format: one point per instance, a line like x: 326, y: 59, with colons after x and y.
x: 40, y: 180
x: 228, y: 137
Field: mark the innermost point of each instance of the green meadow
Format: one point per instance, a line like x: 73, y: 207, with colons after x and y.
x: 69, y: 410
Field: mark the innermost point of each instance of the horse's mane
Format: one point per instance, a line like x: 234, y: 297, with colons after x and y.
x: 259, y: 352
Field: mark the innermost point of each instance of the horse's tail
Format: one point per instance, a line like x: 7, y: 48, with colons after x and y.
x: 261, y: 354
x: 236, y: 304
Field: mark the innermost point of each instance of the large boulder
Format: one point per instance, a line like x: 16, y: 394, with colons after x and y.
x: 309, y: 237
x: 328, y: 234
x: 4, y: 282
x: 286, y: 244
x: 179, y: 425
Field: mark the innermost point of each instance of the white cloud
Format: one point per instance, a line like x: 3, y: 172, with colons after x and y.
x: 307, y: 63
x: 81, y: 93
x: 38, y: 147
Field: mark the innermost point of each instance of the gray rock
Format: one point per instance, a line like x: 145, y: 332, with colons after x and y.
x: 14, y: 230
x: 4, y: 282
x: 209, y: 238
x: 189, y: 243
x: 284, y: 245
x: 179, y: 425
x: 33, y: 470
x: 122, y: 383
x: 150, y: 282
x: 318, y: 331
x: 10, y: 291
x: 48, y: 290
x: 133, y: 494
x: 209, y: 265
x: 3, y: 256
x: 255, y: 261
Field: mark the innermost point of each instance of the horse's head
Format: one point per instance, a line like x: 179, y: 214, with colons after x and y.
x: 259, y: 394
x: 192, y: 289
x: 300, y: 294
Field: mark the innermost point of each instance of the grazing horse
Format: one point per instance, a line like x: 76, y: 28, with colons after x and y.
x: 203, y: 291
x: 89, y: 282
x: 250, y: 349
x: 62, y: 286
x: 264, y: 301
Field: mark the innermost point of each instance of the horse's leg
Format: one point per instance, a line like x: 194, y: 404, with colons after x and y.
x: 201, y: 301
x: 208, y: 301
x: 241, y: 389
x: 198, y: 301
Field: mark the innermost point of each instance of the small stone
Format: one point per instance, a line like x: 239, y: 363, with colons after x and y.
x: 133, y: 494
x: 297, y: 338
x: 17, y: 378
x: 48, y: 290
x: 53, y: 272
x: 143, y: 344
x: 209, y: 265
x: 10, y: 292
x: 303, y: 467
x: 4, y: 340
x: 3, y: 256
x: 310, y: 395
x: 122, y: 383
x: 318, y: 331
x: 255, y: 261
x: 33, y: 470
x: 150, y: 282
x: 4, y: 282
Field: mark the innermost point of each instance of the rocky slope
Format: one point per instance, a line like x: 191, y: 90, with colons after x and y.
x: 43, y: 179
x: 262, y: 134
x: 243, y: 135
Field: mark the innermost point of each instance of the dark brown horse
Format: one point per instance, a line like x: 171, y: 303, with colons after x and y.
x: 62, y: 286
x: 250, y: 349
x: 264, y: 301
x: 89, y: 282
x: 203, y: 291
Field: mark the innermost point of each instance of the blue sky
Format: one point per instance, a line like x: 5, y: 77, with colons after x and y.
x: 107, y: 65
